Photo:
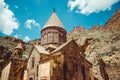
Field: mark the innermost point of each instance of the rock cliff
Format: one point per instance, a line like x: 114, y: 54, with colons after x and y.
x: 101, y: 42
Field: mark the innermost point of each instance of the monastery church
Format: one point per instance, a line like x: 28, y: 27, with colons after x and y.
x: 54, y: 59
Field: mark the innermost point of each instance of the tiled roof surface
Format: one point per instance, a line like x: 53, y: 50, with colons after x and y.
x: 62, y: 46
x: 41, y: 49
x: 53, y: 21
x: 51, y: 46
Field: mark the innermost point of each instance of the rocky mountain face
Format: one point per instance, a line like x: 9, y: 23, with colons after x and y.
x: 10, y: 43
x: 114, y: 22
x: 4, y: 56
x: 7, y: 45
x: 101, y: 42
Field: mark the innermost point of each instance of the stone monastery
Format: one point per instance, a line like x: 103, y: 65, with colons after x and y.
x: 54, y: 59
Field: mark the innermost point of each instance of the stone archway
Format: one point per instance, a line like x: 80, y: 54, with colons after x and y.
x: 31, y: 78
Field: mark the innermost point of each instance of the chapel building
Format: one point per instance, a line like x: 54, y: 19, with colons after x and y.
x: 15, y: 67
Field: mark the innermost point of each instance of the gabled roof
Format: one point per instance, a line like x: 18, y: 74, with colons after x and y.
x: 51, y: 46
x: 19, y: 46
x: 62, y: 46
x: 66, y: 44
x: 53, y: 21
x: 41, y: 49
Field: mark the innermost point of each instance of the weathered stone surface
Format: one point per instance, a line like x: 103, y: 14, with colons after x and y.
x: 105, y: 44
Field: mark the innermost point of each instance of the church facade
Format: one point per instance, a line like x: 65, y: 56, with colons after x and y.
x: 56, y: 58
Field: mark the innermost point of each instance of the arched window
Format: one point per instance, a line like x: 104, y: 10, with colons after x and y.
x: 32, y: 62
x: 61, y: 37
x: 37, y: 70
x: 45, y: 38
x: 83, y: 72
x: 56, y: 37
x: 50, y: 36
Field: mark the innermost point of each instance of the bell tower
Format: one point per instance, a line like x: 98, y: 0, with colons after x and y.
x: 18, y: 64
x: 53, y: 32
x: 18, y: 51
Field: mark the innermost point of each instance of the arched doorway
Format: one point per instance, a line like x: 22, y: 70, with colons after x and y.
x: 31, y: 78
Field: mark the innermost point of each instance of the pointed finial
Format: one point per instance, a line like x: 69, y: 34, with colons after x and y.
x: 53, y: 9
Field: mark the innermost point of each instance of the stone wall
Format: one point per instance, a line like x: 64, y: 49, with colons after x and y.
x: 71, y: 65
x: 33, y: 64
x: 44, y: 71
x: 53, y: 35
x: 57, y: 70
x: 17, y: 69
x: 6, y: 72
x: 113, y: 72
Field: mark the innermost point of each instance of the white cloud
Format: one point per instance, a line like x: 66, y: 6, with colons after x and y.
x: 30, y: 23
x: 90, y: 6
x: 26, y: 39
x: 8, y: 22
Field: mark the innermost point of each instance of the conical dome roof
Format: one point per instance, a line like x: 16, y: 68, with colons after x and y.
x: 53, y: 21
x: 19, y: 46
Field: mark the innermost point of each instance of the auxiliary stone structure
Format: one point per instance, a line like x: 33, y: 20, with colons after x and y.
x: 14, y: 68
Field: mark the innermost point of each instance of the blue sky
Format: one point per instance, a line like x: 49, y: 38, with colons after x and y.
x: 25, y: 18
